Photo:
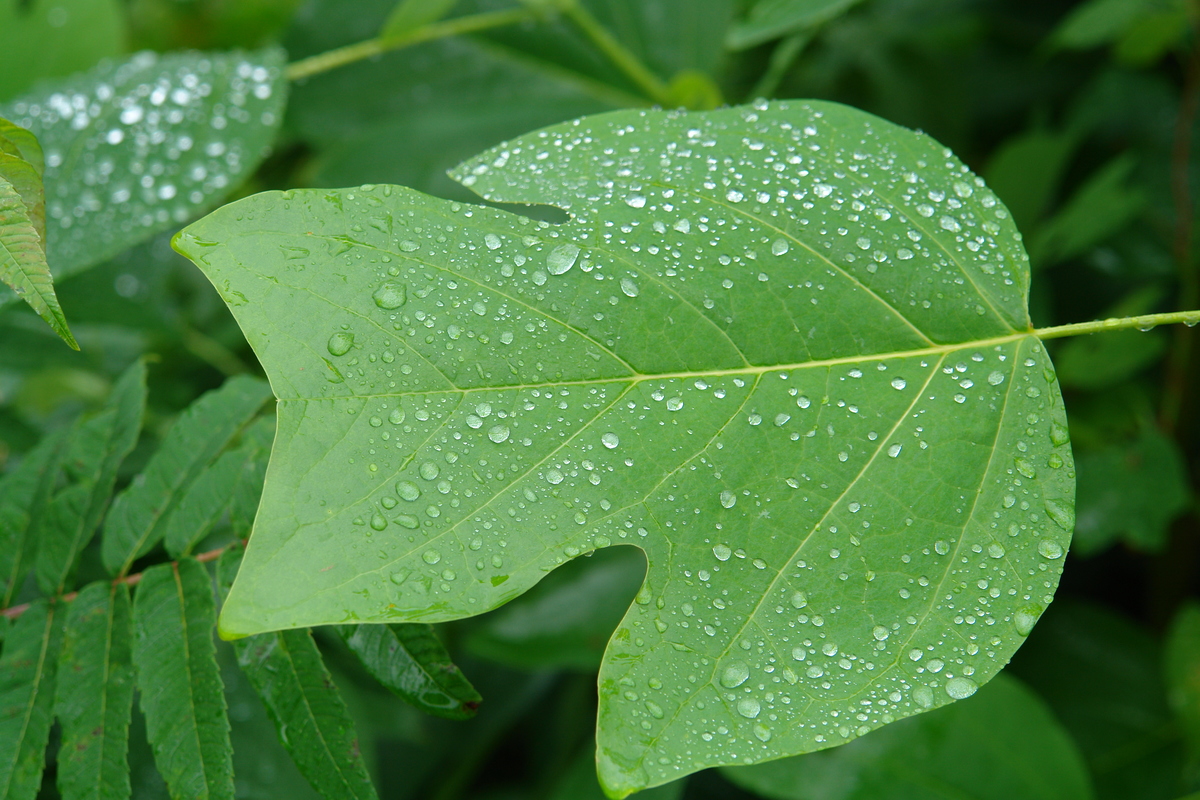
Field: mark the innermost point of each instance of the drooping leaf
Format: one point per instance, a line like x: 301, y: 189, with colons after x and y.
x: 564, y: 621
x: 24, y: 497
x: 23, y: 266
x: 42, y: 39
x: 1182, y: 662
x: 95, y: 695
x: 124, y: 162
x: 784, y: 350
x: 1132, y: 490
x: 142, y: 514
x: 27, y: 667
x: 411, y: 662
x: 94, y: 453
x: 180, y: 685
x: 409, y: 15
x: 290, y: 678
x: 771, y: 19
x: 1003, y: 743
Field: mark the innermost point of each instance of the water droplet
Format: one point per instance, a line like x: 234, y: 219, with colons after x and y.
x: 762, y: 733
x: 431, y: 556
x: 610, y: 440
x: 1062, y: 514
x: 629, y: 288
x: 899, y: 383
x: 722, y: 552
x: 728, y: 499
x: 408, y: 490
x: 636, y: 201
x: 378, y: 522
x: 996, y: 550
x: 894, y: 450
x: 1025, y: 468
x: 674, y: 404
x: 554, y: 476
x: 409, y: 246
x: 1059, y: 435
x: 429, y: 471
x: 779, y: 247
x: 408, y: 521
x: 396, y: 417
x: 1026, y: 618
x: 1050, y: 548
x: 748, y: 707
x: 879, y: 632
x: 390, y: 295
x: 941, y: 547
x: 782, y: 419
x: 923, y: 697
x: 734, y: 675
x: 936, y: 665
x: 340, y: 343
x: 799, y: 600
x: 961, y: 688
x: 498, y: 433
x: 562, y: 258
x: 996, y: 378
x: 655, y: 709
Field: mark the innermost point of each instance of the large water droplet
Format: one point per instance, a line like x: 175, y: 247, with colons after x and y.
x: 429, y: 471
x: 390, y: 295
x: 498, y: 433
x: 340, y: 343
x: 1050, y: 548
x: 728, y: 499
x: 1026, y: 618
x: 378, y: 522
x: 1061, y: 513
x: 562, y: 258
x: 408, y: 490
x: 610, y: 440
x: 734, y: 675
x: 748, y: 707
x: 923, y: 696
x: 961, y: 688
x: 722, y: 552
x: 629, y: 288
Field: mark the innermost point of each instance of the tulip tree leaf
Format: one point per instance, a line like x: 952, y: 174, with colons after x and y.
x: 782, y: 349
x: 135, y: 146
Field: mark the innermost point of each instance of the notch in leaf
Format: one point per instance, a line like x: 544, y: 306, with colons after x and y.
x: 23, y: 263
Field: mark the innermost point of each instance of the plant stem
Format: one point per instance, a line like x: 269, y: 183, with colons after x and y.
x: 618, y: 54
x: 128, y: 580
x: 1144, y: 322
x: 323, y: 62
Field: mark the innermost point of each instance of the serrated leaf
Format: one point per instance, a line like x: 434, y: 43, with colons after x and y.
x: 784, y: 350
x: 180, y: 685
x: 27, y: 182
x: 96, y: 449
x: 142, y: 514
x: 18, y: 141
x: 24, y: 497
x: 27, y: 668
x: 290, y: 678
x: 411, y: 663
x: 1003, y: 743
x: 95, y: 695
x: 771, y: 19
x: 409, y: 15
x: 23, y: 265
x: 123, y: 163
x: 234, y: 481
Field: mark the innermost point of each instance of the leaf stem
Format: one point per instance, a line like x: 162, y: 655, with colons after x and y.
x: 1144, y: 322
x: 621, y: 57
x: 323, y: 62
x: 128, y: 580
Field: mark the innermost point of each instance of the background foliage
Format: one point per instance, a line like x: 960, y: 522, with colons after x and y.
x: 1079, y: 115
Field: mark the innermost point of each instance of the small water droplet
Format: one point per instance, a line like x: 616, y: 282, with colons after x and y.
x: 492, y: 241
x: 554, y: 476
x: 408, y: 521
x: 748, y: 707
x: 1059, y: 435
x: 408, y: 491
x: 429, y: 471
x: 610, y: 440
x: 899, y: 383
x: 378, y: 522
x: 894, y: 450
x: 340, y: 343
x: 799, y: 600
x: 879, y: 632
x: 728, y: 499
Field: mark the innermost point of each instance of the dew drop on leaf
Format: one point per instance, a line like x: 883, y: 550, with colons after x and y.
x: 340, y: 343
x: 390, y: 295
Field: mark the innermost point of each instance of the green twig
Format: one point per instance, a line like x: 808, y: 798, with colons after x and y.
x: 618, y: 54
x: 1144, y: 322
x: 323, y: 62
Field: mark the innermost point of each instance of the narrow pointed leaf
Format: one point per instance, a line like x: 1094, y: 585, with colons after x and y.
x: 290, y: 677
x: 232, y: 478
x: 18, y: 141
x: 180, y: 684
x: 771, y: 19
x: 23, y: 264
x: 783, y: 349
x: 95, y: 452
x: 411, y: 662
x: 27, y: 181
x: 409, y: 15
x: 124, y: 161
x: 27, y: 668
x: 24, y: 497
x: 141, y: 514
x: 95, y: 695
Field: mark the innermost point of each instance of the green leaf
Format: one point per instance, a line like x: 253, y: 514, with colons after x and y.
x: 95, y: 452
x: 564, y: 621
x: 1182, y: 659
x: 95, y: 695
x: 142, y: 514
x: 53, y: 38
x: 17, y: 141
x: 409, y: 15
x: 580, y: 783
x: 1133, y: 490
x: 1098, y: 22
x: 24, y: 497
x: 410, y: 662
x: 23, y: 266
x: 289, y: 676
x: 26, y: 179
x: 234, y: 481
x: 1025, y: 171
x: 138, y: 161
x: 794, y: 367
x: 772, y: 19
x: 1103, y: 206
x: 180, y: 685
x: 1002, y: 743
x: 26, y: 698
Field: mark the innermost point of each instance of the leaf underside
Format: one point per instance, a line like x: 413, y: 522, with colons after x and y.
x: 782, y: 349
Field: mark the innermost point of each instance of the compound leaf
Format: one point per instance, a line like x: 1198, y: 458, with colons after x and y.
x: 137, y: 145
x: 142, y: 514
x: 95, y: 695
x: 24, y: 497
x: 180, y: 684
x: 23, y: 266
x: 411, y: 662
x: 287, y: 672
x: 27, y: 670
x: 782, y: 349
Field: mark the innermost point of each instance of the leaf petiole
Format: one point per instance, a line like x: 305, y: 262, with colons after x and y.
x: 1143, y: 322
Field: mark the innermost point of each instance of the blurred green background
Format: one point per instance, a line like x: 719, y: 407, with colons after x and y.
x: 1080, y: 115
